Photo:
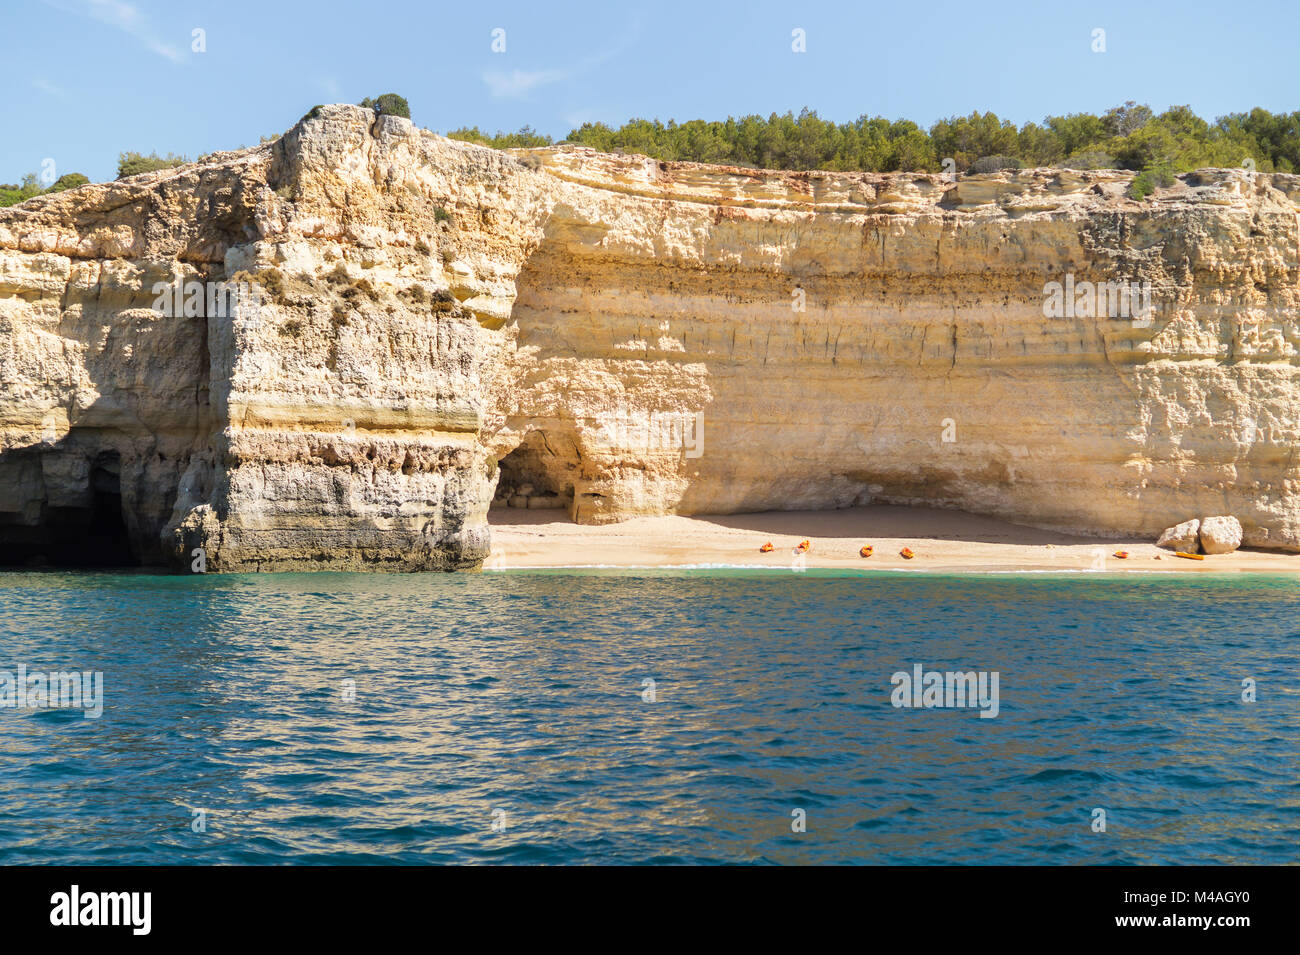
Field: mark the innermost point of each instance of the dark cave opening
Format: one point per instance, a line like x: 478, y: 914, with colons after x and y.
x: 93, y: 534
x: 108, y: 541
x: 537, y: 475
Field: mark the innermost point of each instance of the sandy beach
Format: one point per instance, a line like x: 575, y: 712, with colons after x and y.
x: 941, y: 540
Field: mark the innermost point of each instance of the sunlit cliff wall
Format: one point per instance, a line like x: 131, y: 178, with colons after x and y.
x: 438, y: 323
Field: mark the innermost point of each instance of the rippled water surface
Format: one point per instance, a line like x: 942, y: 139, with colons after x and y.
x: 523, y: 692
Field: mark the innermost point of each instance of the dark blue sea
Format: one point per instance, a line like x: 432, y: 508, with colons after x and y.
x: 505, y: 718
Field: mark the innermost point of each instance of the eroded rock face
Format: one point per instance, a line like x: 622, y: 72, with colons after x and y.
x: 438, y: 321
x: 1184, y: 536
x: 1220, y: 535
x: 333, y: 425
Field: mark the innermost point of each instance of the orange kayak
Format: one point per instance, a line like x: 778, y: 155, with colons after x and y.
x: 906, y: 553
x: 804, y: 546
x: 766, y: 548
x: 867, y: 551
x: 1121, y: 554
x: 1179, y: 553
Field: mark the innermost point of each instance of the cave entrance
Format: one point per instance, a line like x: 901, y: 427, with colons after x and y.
x: 538, y: 475
x: 92, y: 533
x: 108, y: 543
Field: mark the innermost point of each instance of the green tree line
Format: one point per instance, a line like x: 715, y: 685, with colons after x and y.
x: 128, y: 164
x: 1130, y: 136
x: 11, y: 195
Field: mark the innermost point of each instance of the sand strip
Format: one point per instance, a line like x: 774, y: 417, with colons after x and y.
x: 942, y: 540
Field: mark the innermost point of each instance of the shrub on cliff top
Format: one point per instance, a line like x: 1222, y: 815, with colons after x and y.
x: 1145, y: 183
x: 69, y: 180
x: 390, y: 104
x: 132, y: 164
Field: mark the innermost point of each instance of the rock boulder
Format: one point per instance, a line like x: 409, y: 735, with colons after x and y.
x: 1181, y: 536
x: 1220, y: 535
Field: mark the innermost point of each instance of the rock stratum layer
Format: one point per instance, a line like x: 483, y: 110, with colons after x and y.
x: 439, y: 324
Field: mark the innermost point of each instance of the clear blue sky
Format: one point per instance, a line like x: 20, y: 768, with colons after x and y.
x: 86, y: 79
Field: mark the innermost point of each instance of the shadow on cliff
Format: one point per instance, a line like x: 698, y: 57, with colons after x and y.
x: 875, y: 521
x: 96, y: 485
x: 70, y: 517
x: 894, y: 521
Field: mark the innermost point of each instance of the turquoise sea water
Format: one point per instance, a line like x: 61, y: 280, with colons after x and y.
x: 517, y: 698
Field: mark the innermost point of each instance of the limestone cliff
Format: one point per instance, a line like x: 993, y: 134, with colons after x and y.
x: 435, y: 323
